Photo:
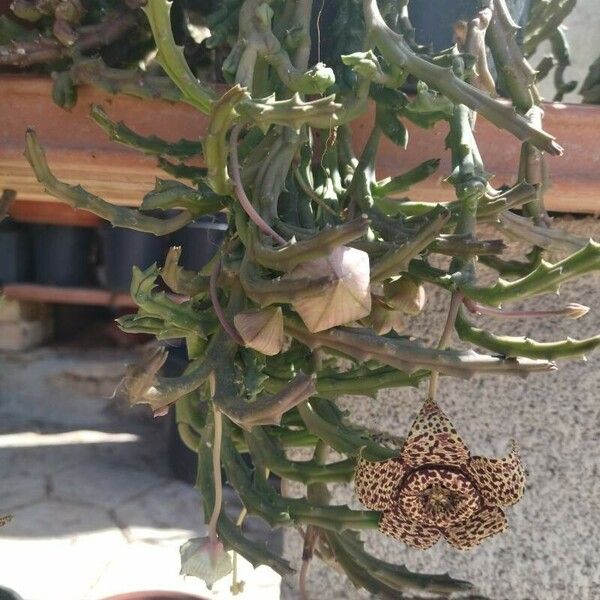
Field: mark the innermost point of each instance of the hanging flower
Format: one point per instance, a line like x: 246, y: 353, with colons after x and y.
x: 436, y: 488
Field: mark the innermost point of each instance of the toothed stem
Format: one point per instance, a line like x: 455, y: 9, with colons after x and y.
x: 397, y: 52
x: 78, y: 197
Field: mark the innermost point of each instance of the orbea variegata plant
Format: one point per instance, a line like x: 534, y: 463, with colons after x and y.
x: 323, y: 262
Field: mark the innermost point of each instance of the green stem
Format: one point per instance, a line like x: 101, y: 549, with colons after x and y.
x: 523, y: 346
x: 266, y: 503
x: 323, y: 421
x: 181, y: 281
x: 269, y: 453
x: 231, y: 536
x: 516, y: 72
x: 318, y: 246
x: 119, y: 132
x: 362, y: 345
x: 78, y: 197
x: 171, y: 58
x: 397, y: 52
x: 545, y: 278
x: 396, y: 260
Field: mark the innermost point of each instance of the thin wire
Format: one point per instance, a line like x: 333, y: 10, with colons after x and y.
x: 319, y: 30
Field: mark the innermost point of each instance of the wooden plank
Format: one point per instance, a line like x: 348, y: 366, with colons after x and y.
x: 52, y: 213
x: 575, y: 176
x: 67, y: 295
x: 79, y: 151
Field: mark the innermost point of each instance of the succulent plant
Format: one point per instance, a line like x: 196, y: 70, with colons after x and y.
x: 311, y: 293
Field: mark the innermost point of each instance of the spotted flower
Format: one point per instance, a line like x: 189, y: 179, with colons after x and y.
x: 436, y: 488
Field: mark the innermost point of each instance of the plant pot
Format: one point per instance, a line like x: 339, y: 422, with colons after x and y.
x: 155, y: 595
x: 15, y: 250
x: 123, y: 176
x: 200, y: 240
x: 182, y: 461
x: 6, y: 594
x: 433, y: 20
x: 123, y: 249
x: 62, y: 256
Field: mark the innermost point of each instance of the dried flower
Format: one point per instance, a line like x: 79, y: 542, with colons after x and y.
x: 436, y: 488
x: 261, y: 330
x: 405, y: 294
x: 346, y: 299
x: 206, y: 559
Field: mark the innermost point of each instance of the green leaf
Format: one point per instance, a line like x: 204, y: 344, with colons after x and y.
x: 11, y: 31
x: 388, y: 98
x: 428, y: 107
x: 391, y: 126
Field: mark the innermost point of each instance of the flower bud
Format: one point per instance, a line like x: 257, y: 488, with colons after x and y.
x: 382, y: 318
x: 576, y: 311
x: 261, y: 330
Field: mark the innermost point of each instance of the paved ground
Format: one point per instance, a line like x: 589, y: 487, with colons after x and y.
x: 96, y: 510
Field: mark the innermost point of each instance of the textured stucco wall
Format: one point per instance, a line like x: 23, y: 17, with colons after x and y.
x: 583, y: 25
x: 551, y: 549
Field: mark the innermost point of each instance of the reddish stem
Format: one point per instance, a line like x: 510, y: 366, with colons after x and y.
x: 214, y: 298
x: 241, y: 194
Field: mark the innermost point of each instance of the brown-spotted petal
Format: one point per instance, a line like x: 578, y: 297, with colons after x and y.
x: 500, y: 481
x: 432, y: 439
x: 488, y: 521
x: 396, y: 525
x: 375, y: 482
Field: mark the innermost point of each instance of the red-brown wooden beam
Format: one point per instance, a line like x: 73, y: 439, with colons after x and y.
x: 79, y: 151
x: 48, y: 294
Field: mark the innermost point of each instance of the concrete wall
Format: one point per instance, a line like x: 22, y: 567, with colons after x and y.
x: 551, y: 549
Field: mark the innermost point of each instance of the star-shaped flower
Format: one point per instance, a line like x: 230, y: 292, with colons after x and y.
x: 436, y: 488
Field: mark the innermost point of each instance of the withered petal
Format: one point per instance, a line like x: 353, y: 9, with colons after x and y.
x: 432, y: 439
x: 489, y: 521
x: 500, y: 481
x: 396, y: 525
x: 376, y: 481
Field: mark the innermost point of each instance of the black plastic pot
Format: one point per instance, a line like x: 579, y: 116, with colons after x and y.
x: 6, y: 594
x: 200, y: 240
x: 123, y: 249
x: 182, y: 461
x: 62, y: 255
x: 433, y: 20
x: 15, y: 250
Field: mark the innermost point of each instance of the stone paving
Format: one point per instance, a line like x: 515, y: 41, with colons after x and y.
x: 96, y: 510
